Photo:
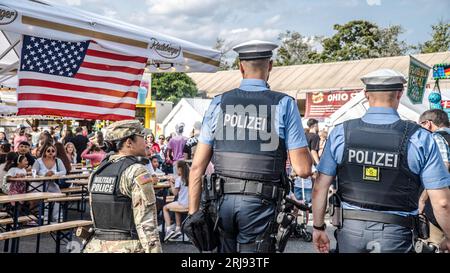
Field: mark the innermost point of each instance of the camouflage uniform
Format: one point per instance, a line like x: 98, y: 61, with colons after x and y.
x: 137, y: 184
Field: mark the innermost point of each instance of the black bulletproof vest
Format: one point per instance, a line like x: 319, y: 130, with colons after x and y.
x: 246, y: 144
x: 110, y: 208
x: 428, y: 209
x: 374, y: 171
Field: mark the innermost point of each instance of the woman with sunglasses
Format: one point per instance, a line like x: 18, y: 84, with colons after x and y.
x: 49, y: 165
x: 152, y: 144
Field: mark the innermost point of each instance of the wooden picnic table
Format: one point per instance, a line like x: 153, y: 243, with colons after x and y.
x: 82, y: 182
x: 43, y: 180
x: 161, y: 186
x: 48, y: 178
x: 33, y: 196
x: 17, y: 198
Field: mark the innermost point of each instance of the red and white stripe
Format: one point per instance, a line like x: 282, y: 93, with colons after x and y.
x: 104, y: 88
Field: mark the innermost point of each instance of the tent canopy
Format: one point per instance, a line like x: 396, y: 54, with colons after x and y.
x: 358, y: 106
x: 55, y: 21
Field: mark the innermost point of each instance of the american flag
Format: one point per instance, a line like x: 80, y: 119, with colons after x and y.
x: 77, y: 79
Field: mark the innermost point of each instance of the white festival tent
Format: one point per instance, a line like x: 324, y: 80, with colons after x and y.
x: 358, y: 106
x: 47, y: 19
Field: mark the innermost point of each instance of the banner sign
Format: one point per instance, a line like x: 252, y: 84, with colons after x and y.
x: 417, y: 79
x: 441, y: 71
x: 446, y: 107
x: 320, y: 105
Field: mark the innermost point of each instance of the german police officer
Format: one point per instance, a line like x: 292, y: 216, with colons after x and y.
x: 122, y: 199
x: 249, y: 131
x: 381, y: 163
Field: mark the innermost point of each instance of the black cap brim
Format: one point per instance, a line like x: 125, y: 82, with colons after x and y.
x: 255, y: 55
x: 384, y: 87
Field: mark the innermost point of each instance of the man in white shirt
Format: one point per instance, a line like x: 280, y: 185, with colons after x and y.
x: 153, y: 166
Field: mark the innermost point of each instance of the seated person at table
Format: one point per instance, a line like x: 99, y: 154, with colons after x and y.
x: 5, y: 148
x: 17, y: 168
x: 153, y: 166
x: 71, y: 152
x: 179, y: 187
x: 25, y: 149
x: 93, y: 153
x: 10, y: 158
x: 49, y: 165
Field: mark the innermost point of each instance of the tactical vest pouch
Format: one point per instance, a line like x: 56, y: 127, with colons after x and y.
x: 210, y: 189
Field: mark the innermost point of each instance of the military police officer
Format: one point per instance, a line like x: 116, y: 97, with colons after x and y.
x: 249, y: 131
x: 381, y: 163
x: 122, y: 199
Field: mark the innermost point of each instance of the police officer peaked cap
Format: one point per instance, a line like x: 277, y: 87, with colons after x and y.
x: 253, y: 50
x: 384, y: 80
x: 123, y: 129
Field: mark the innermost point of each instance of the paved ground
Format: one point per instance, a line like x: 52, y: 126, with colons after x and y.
x: 28, y: 244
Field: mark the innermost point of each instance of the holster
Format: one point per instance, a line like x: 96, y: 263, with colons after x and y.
x: 86, y: 234
x: 336, y: 211
x: 266, y: 242
x: 423, y: 227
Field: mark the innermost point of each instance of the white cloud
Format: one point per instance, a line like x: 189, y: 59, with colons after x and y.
x: 373, y: 2
x: 73, y: 2
x: 185, y: 7
x: 236, y: 36
x: 108, y: 12
x: 273, y: 20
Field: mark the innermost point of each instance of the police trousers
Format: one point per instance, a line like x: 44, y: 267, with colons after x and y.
x: 242, y: 218
x: 358, y: 236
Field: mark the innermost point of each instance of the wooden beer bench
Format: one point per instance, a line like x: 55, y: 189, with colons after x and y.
x: 58, y: 228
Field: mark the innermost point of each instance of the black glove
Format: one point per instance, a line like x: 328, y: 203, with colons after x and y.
x: 199, y: 227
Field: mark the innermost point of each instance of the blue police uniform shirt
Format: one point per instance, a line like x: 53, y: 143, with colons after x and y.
x: 423, y: 154
x: 287, y: 117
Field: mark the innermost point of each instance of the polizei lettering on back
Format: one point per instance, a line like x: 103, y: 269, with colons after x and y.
x: 373, y: 158
x: 249, y: 123
x: 103, y: 184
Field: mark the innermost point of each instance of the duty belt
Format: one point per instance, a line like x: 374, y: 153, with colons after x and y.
x: 375, y: 216
x: 114, y: 235
x: 239, y: 186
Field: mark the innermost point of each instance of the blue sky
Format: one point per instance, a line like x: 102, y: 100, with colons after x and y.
x: 202, y: 21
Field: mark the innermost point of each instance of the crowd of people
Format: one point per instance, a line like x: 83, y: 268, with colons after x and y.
x: 52, y: 151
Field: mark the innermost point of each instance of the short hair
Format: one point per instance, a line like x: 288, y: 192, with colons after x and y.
x: 24, y: 143
x: 120, y: 143
x: 437, y: 116
x: 154, y: 157
x: 78, y: 130
x: 311, y: 122
x: 257, y: 63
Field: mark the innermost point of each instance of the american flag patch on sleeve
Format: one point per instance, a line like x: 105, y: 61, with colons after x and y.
x: 144, y: 179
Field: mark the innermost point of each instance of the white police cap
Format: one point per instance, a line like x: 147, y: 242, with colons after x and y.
x: 384, y: 80
x: 255, y: 49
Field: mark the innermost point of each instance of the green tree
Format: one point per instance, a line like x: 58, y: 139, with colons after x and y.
x: 440, y: 40
x: 294, y: 49
x: 390, y: 45
x: 173, y: 86
x: 360, y: 39
x: 224, y: 49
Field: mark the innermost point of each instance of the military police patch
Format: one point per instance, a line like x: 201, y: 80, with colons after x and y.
x: 144, y: 179
x: 103, y: 184
x: 371, y: 173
